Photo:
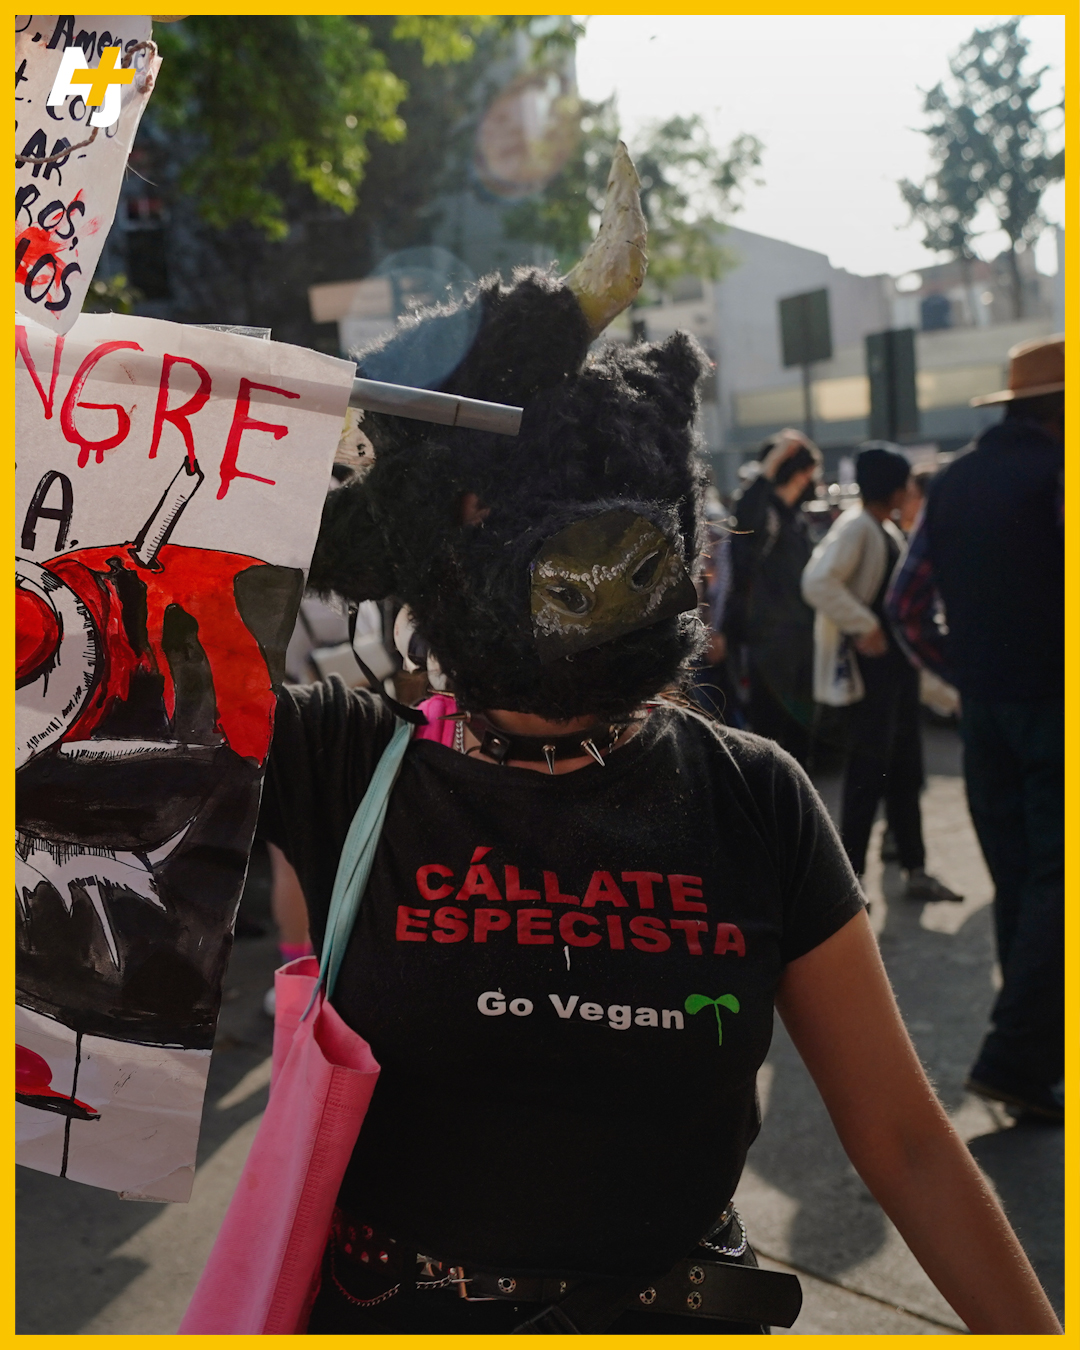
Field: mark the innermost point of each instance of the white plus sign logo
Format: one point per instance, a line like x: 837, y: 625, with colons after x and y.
x: 102, y: 85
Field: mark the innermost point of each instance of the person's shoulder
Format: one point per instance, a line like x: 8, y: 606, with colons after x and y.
x: 331, y: 707
x: 745, y: 751
x: 854, y: 517
x: 755, y: 489
x: 851, y: 523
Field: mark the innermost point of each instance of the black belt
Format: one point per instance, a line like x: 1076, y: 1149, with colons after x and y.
x: 701, y: 1285
x: 694, y: 1287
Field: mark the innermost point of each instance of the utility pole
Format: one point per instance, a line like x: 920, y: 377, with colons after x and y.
x: 808, y: 401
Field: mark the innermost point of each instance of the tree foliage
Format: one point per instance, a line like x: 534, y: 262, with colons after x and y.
x: 246, y: 98
x: 688, y: 185
x: 991, y: 145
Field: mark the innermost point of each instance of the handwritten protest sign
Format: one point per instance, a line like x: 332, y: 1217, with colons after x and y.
x: 169, y: 487
x: 64, y: 208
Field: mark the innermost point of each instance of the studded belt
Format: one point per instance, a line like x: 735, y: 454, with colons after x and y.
x: 368, y: 1268
x: 694, y: 1287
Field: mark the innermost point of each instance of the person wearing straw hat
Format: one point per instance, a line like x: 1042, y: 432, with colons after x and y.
x: 988, y: 557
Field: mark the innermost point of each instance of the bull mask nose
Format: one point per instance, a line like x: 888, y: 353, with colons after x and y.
x: 602, y: 577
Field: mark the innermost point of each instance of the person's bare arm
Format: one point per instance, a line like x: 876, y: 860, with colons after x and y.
x: 839, y: 1009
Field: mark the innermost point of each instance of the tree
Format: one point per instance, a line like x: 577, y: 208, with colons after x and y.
x: 948, y: 201
x: 990, y: 145
x: 687, y: 186
x: 246, y: 97
x: 240, y: 272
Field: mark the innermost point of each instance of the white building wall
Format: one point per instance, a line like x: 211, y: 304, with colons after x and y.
x: 746, y: 320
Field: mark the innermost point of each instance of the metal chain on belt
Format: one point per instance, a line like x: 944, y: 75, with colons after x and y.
x: 438, y: 1284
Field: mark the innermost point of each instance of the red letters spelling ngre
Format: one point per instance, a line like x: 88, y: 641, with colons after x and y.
x: 179, y: 416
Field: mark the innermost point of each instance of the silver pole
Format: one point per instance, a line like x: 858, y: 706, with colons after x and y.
x: 450, y: 410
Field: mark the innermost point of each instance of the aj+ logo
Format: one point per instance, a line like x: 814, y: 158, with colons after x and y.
x: 104, y: 83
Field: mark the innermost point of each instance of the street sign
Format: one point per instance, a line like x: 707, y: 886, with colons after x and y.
x: 890, y: 366
x: 805, y: 331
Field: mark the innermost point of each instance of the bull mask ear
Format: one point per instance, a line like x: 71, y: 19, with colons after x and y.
x: 609, y: 276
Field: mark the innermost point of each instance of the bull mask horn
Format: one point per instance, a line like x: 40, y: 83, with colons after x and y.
x: 610, y: 274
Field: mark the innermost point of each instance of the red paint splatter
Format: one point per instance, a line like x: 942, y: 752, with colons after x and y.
x: 201, y: 581
x: 39, y: 242
x: 37, y: 632
x: 33, y: 1077
x: 34, y: 242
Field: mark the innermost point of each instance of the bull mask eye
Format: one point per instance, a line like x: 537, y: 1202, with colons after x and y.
x: 570, y: 598
x: 645, y: 573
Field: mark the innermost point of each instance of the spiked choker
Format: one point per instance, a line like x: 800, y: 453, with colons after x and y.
x: 597, y: 741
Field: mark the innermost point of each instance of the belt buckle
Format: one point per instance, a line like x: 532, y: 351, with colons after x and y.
x: 458, y: 1277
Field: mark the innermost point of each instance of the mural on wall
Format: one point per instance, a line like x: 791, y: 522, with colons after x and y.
x: 169, y: 487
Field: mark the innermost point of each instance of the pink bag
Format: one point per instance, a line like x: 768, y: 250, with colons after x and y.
x: 261, y: 1278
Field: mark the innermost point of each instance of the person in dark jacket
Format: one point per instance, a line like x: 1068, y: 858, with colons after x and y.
x: 989, y: 553
x: 767, y: 614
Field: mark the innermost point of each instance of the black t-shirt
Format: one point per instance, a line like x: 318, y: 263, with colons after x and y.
x: 567, y: 980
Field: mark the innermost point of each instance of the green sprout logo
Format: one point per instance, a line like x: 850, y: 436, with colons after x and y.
x: 695, y: 1002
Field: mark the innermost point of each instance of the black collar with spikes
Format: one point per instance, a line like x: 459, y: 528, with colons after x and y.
x: 597, y: 741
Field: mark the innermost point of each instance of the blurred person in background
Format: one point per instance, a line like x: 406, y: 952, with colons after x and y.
x: 712, y: 687
x: 934, y: 693
x: 859, y: 665
x: 766, y: 613
x: 918, y: 486
x: 988, y: 554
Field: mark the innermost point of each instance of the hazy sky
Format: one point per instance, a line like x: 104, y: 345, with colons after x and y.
x: 835, y: 99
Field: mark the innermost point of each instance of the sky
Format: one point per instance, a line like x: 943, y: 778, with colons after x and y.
x: 834, y: 98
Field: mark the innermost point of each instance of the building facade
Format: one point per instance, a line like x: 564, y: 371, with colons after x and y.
x: 962, y: 340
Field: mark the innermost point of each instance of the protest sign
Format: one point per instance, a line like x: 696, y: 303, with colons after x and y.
x: 64, y: 206
x: 168, y: 495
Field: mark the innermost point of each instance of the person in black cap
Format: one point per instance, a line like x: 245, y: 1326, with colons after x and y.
x: 858, y: 664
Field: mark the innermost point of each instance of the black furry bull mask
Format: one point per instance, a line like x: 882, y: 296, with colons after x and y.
x: 547, y: 571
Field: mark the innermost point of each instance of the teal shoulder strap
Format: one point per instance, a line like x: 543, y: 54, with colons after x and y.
x: 357, y: 855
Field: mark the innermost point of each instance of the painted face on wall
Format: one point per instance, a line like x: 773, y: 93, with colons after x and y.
x: 602, y: 577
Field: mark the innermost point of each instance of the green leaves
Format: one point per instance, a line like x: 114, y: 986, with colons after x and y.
x: 695, y: 1002
x: 443, y: 37
x: 990, y: 145
x: 688, y: 185
x: 251, y: 99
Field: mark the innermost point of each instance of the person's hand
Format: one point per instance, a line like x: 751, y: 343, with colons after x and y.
x: 873, y: 643
x: 787, y: 442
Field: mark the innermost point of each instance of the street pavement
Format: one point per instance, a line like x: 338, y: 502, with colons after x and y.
x: 92, y: 1264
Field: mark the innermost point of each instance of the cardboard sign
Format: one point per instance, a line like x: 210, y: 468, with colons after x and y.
x: 64, y: 208
x: 168, y: 496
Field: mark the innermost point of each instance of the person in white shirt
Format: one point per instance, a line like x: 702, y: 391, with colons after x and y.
x: 860, y: 666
